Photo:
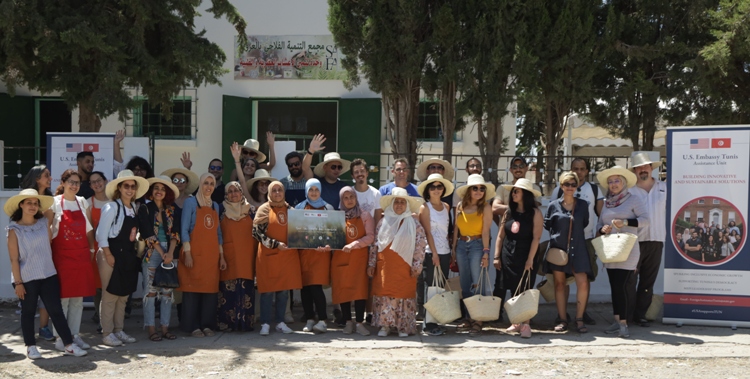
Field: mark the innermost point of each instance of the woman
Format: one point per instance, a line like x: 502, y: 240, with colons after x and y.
x: 38, y: 178
x: 734, y: 238
x: 517, y: 243
x: 395, y: 263
x: 237, y: 287
x: 72, y: 252
x: 202, y: 259
x: 558, y: 222
x: 160, y: 229
x: 349, y: 281
x: 471, y: 240
x: 727, y: 248
x: 140, y: 167
x: 117, y: 258
x: 98, y: 183
x: 277, y: 266
x: 315, y: 265
x: 435, y: 219
x: 258, y: 188
x: 250, y: 150
x: 32, y: 269
x: 710, y: 250
x: 627, y: 213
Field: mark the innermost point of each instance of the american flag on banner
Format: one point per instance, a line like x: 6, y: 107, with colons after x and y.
x: 73, y: 147
x: 699, y: 143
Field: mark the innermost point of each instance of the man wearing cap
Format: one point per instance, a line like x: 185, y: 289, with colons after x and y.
x: 650, y: 238
x: 400, y: 173
x: 518, y: 167
x: 327, y: 171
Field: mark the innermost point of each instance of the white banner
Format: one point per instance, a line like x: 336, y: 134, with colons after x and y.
x: 62, y: 149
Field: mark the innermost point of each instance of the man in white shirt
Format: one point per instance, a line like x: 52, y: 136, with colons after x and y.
x: 368, y: 196
x: 650, y: 238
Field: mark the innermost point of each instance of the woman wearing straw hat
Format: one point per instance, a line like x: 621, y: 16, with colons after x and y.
x: 201, y: 260
x: 32, y: 269
x: 160, y: 228
x: 517, y: 243
x: 72, y: 251
x: 98, y: 183
x: 627, y: 213
x: 471, y: 240
x: 434, y: 218
x: 277, y: 266
x: 117, y: 258
x: 395, y: 264
x: 258, y: 188
x: 251, y: 151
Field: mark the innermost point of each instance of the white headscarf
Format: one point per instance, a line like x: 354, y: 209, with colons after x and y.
x: 401, y: 236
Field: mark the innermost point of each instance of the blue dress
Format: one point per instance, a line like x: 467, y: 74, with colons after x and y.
x: 557, y: 223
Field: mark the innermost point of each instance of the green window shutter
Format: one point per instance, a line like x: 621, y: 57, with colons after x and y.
x: 236, y: 125
x: 360, y: 121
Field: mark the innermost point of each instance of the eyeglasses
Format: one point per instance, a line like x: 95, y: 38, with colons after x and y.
x: 97, y: 181
x: 73, y: 183
x: 475, y: 165
x: 179, y: 180
x: 139, y: 169
x: 215, y: 168
x: 129, y: 186
x: 400, y: 169
x: 570, y: 184
x: 517, y: 166
x: 294, y: 164
x: 436, y: 186
x: 478, y: 188
x: 336, y: 167
x: 613, y: 181
x: 436, y: 167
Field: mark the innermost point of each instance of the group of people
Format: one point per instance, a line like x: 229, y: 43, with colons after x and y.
x: 709, y: 243
x: 227, y: 241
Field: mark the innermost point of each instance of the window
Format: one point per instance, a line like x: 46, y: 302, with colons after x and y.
x: 716, y: 201
x: 687, y: 216
x: 702, y: 201
x: 732, y: 216
x: 700, y: 216
x: 147, y: 119
x: 429, y: 122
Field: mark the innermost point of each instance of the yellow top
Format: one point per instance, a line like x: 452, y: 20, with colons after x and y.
x: 469, y: 224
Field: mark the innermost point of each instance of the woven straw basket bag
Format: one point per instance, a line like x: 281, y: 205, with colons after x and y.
x: 522, y: 307
x: 480, y: 307
x: 614, y: 248
x: 444, y: 306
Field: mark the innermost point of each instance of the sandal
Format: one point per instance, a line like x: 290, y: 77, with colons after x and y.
x: 155, y: 336
x: 562, y: 326
x: 464, y: 325
x: 476, y: 329
x: 208, y: 332
x: 197, y: 333
x: 581, y: 326
x: 169, y: 336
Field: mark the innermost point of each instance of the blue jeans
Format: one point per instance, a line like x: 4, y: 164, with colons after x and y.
x: 163, y: 295
x: 469, y: 259
x: 266, y: 306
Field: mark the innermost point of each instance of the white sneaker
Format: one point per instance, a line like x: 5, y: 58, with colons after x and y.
x: 362, y: 330
x: 384, y: 331
x: 32, y: 352
x: 349, y: 327
x: 74, y: 350
x: 265, y: 329
x: 111, y: 340
x: 59, y: 345
x: 78, y: 341
x: 320, y: 327
x: 124, y: 337
x: 403, y: 335
x: 281, y: 327
x: 309, y: 326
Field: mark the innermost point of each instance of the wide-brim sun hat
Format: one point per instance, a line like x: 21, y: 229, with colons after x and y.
x: 617, y: 170
x: 12, y: 204
x: 254, y: 146
x: 123, y: 176
x: 476, y: 180
x: 167, y: 181
x: 192, y: 177
x: 422, y: 168
x: 260, y: 174
x: 436, y: 178
x: 331, y: 157
x: 400, y: 193
x: 524, y: 184
x: 641, y: 159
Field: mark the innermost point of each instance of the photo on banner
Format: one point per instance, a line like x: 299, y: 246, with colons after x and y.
x: 310, y: 228
x: 707, y: 263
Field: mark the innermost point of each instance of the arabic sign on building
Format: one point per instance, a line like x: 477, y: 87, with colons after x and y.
x: 288, y: 57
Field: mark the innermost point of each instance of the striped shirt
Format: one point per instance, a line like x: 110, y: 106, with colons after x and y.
x: 35, y: 252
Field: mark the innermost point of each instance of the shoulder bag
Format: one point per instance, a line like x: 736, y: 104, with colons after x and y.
x: 558, y: 256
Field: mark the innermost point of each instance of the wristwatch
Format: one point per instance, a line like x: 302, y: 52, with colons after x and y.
x: 625, y: 222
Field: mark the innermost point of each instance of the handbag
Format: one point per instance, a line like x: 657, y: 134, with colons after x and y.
x: 559, y: 257
x: 525, y: 305
x: 480, y: 307
x: 166, y: 277
x: 443, y: 303
x: 614, y: 248
x: 547, y: 287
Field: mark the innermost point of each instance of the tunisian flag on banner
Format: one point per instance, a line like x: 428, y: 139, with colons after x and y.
x: 721, y: 143
x: 91, y: 147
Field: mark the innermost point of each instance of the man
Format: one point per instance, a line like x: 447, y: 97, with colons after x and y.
x: 436, y: 166
x: 327, y: 171
x: 518, y: 167
x: 85, y: 162
x: 650, y: 238
x: 474, y: 166
x: 693, y: 247
x: 400, y: 173
x: 367, y: 196
x: 215, y: 168
x: 294, y: 183
x: 678, y: 240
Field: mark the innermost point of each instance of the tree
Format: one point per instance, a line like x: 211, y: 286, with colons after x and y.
x: 91, y: 51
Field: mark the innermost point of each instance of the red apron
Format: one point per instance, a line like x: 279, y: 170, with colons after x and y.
x: 277, y: 270
x: 349, y: 279
x: 96, y: 214
x: 203, y: 277
x: 315, y: 265
x: 393, y: 276
x: 240, y: 249
x: 70, y: 253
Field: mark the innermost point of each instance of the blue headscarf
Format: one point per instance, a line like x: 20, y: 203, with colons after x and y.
x: 320, y: 203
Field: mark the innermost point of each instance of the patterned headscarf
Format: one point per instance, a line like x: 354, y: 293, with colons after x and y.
x: 239, y: 210
x: 353, y: 212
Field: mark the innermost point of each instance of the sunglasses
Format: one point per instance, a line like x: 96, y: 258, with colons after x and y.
x: 250, y: 153
x: 215, y: 168
x: 435, y: 186
x: 294, y: 164
x: 129, y: 186
x: 336, y: 167
x: 569, y: 184
x: 436, y: 167
x: 478, y: 188
x: 179, y: 180
x: 517, y: 166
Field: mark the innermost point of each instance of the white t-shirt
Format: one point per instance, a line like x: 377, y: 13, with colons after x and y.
x: 369, y: 201
x: 69, y: 206
x: 585, y: 192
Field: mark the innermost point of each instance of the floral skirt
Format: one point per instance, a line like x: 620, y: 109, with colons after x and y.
x: 236, y: 305
x: 396, y: 313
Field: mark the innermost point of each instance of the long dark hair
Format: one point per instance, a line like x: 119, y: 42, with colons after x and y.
x: 64, y: 178
x: 30, y: 180
x: 255, y: 194
x: 18, y: 214
x: 528, y: 201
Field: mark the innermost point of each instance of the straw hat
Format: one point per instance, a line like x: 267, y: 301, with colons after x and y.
x: 11, y: 205
x: 400, y: 193
x: 436, y: 178
x: 331, y: 157
x: 422, y: 168
x: 192, y: 177
x: 476, y: 180
x: 641, y: 159
x: 123, y: 176
x: 253, y: 145
x: 167, y: 181
x: 524, y: 184
x: 616, y: 170
x: 260, y: 174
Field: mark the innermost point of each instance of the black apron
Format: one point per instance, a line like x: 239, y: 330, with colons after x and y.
x: 124, y: 279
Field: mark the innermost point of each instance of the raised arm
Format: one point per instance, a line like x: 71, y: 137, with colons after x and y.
x: 271, y: 140
x: 236, y: 152
x: 315, y: 145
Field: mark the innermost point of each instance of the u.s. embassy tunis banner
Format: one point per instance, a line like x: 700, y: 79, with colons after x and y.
x: 707, y: 262
x: 288, y: 57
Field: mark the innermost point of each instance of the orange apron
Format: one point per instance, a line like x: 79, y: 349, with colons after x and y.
x: 203, y: 277
x: 96, y: 214
x: 393, y: 276
x: 316, y: 265
x: 277, y: 270
x: 240, y: 249
x: 349, y: 279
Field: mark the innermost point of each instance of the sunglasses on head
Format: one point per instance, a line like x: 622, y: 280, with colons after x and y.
x: 179, y: 180
x: 478, y: 188
x: 569, y: 184
x: 215, y: 168
x: 336, y: 167
x: 294, y: 164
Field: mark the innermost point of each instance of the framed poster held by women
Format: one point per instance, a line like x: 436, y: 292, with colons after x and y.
x: 309, y: 229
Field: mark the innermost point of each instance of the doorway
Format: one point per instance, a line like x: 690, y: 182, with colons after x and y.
x: 51, y: 115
